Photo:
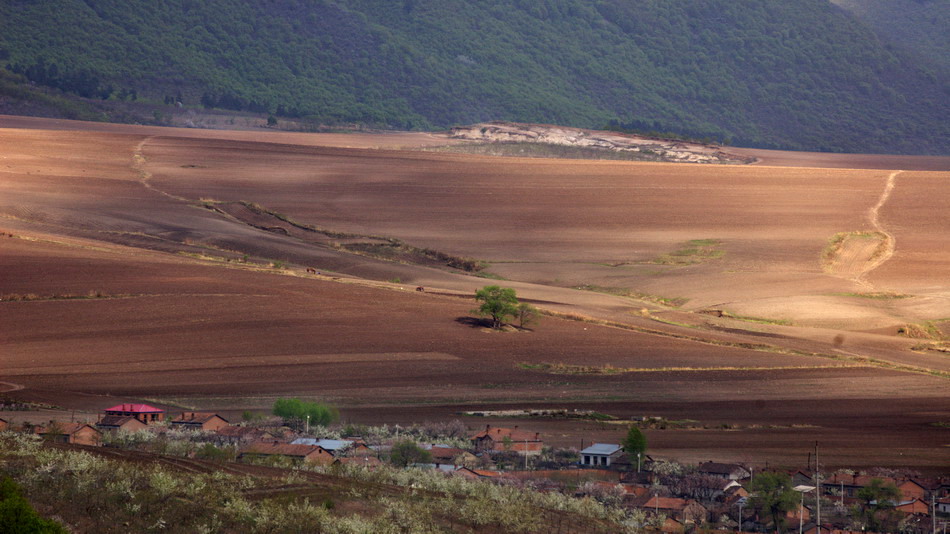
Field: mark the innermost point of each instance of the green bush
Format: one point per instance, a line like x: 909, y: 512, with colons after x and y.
x: 297, y: 411
x: 17, y: 516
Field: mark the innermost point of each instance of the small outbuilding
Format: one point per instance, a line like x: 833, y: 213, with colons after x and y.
x: 600, y: 455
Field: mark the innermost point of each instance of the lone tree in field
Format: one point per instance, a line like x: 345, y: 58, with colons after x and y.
x: 498, y: 303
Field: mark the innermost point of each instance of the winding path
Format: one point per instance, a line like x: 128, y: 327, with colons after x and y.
x: 890, y: 241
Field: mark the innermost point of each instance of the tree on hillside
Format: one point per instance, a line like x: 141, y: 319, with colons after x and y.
x: 772, y: 495
x: 499, y: 303
x: 635, y: 443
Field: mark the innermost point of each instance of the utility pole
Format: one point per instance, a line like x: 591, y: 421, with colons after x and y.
x: 933, y: 511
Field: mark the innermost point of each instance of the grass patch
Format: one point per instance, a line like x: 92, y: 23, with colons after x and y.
x: 759, y: 320
x: 692, y: 252
x: 941, y: 424
x: 837, y: 241
x: 927, y: 330
x: 673, y: 302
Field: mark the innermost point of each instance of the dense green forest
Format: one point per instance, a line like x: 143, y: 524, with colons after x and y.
x: 920, y: 27
x: 801, y: 74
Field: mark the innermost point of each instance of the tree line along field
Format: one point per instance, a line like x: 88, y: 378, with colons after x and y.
x: 675, y: 290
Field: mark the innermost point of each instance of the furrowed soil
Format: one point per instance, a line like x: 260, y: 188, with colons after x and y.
x: 172, y: 265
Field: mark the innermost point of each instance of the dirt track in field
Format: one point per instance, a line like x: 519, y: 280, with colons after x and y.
x: 134, y: 274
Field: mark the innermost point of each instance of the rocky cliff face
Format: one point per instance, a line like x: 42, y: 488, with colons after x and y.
x: 666, y: 150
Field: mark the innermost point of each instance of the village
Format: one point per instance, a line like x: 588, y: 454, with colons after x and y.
x: 664, y: 496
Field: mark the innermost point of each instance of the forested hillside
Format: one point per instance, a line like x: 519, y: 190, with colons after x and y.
x: 800, y: 74
x: 920, y: 27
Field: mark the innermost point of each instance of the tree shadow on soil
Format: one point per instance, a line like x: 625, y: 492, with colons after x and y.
x: 474, y: 322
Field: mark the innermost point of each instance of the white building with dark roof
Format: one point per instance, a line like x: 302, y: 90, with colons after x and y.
x: 600, y: 454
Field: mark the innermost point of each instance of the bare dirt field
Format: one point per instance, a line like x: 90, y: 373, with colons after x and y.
x: 170, y: 265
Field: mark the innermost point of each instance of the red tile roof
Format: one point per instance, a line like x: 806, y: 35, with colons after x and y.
x: 665, y: 503
x: 135, y: 408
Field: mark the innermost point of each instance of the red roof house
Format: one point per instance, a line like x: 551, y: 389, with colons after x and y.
x: 4, y: 424
x: 299, y: 453
x: 200, y: 421
x: 508, y: 439
x: 120, y: 422
x: 683, y: 509
x: 143, y: 412
x: 914, y: 506
x: 78, y: 433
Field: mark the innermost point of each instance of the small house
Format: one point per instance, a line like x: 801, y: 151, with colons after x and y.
x: 75, y: 433
x: 508, y: 439
x: 911, y: 489
x: 683, y: 509
x: 727, y: 471
x: 600, y: 455
x: 913, y: 506
x: 443, y: 455
x: 143, y: 412
x: 125, y: 423
x: 333, y: 446
x: 234, y: 435
x: 211, y: 422
x: 4, y: 424
x: 298, y: 453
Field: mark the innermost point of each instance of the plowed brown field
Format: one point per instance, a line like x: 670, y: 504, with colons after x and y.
x: 169, y: 265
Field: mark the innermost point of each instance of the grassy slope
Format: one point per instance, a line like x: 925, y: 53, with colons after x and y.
x: 797, y: 74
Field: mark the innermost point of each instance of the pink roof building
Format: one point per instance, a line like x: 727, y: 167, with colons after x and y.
x: 143, y: 412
